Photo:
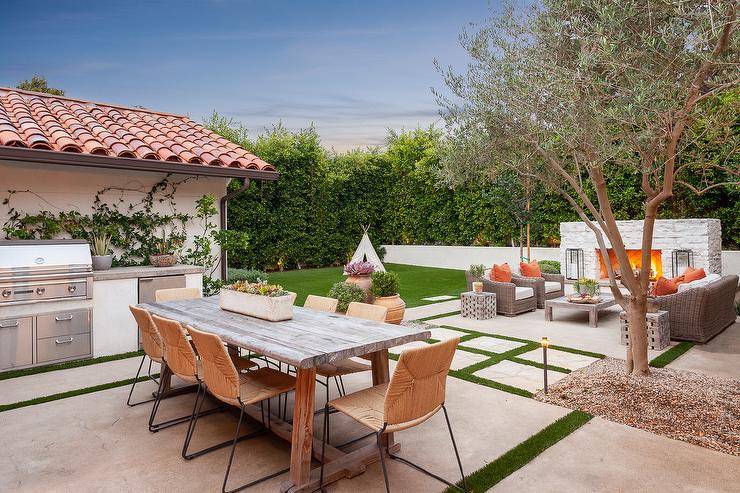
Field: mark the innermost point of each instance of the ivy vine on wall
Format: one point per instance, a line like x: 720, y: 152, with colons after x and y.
x: 133, y: 225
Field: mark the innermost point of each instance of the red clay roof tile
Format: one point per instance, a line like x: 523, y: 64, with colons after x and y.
x: 44, y: 121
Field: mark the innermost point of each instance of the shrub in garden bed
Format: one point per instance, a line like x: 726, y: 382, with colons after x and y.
x: 346, y: 293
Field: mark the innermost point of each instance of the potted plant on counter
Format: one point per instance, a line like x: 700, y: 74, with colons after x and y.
x: 385, y: 290
x: 102, y: 251
x: 165, y: 252
x: 359, y: 273
x: 257, y: 299
x: 346, y: 293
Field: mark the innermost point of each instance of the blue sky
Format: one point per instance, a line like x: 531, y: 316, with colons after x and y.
x: 353, y: 68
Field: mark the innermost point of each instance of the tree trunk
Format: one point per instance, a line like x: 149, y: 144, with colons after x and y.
x: 637, y: 357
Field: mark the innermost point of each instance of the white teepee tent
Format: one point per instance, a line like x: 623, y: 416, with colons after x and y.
x: 365, y: 251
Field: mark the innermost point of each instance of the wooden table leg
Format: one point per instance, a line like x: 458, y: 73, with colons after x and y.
x: 381, y: 374
x: 548, y: 312
x: 593, y: 317
x: 302, y: 439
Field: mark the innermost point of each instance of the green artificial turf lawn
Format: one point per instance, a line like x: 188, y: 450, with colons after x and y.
x: 416, y: 282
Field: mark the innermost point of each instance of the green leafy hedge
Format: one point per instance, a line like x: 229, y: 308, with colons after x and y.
x: 312, y: 215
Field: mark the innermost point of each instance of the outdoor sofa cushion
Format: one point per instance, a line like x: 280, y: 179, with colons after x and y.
x: 521, y: 293
x: 699, y: 282
x: 530, y: 269
x: 664, y: 286
x: 692, y: 274
x: 501, y: 273
x: 552, y: 286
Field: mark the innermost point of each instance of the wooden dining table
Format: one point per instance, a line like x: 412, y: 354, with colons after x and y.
x: 309, y: 339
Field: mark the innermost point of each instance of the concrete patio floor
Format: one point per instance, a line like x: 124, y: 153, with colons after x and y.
x: 610, y: 457
x: 95, y: 442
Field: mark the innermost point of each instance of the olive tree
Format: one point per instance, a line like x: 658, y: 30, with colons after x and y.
x: 564, y: 90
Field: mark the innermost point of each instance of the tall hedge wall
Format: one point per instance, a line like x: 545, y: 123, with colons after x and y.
x: 312, y: 215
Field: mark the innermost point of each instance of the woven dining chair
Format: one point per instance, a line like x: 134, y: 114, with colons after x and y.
x: 182, y: 361
x: 221, y: 380
x: 153, y: 347
x: 415, y: 393
x: 174, y: 294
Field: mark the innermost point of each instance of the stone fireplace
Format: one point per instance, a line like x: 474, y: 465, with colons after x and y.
x: 674, y: 240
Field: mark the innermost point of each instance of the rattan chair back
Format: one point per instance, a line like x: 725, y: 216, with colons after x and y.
x: 321, y: 303
x: 151, y: 340
x: 417, y: 387
x: 178, y: 352
x: 367, y: 311
x: 219, y: 372
x: 162, y: 295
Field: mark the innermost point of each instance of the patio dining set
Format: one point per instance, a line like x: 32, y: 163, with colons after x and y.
x: 195, y: 340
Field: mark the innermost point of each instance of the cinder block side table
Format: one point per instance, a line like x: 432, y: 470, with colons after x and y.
x: 480, y: 306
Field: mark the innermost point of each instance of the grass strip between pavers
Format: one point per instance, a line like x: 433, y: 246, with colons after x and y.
x: 441, y: 315
x: 68, y: 364
x: 492, y: 473
x: 671, y: 355
x: 73, y: 393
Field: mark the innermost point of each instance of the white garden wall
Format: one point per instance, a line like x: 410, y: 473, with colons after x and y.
x: 460, y: 257
x: 57, y: 188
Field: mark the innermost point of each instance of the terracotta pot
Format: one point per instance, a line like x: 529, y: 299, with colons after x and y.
x: 478, y: 287
x: 364, y: 282
x: 396, y: 308
x: 167, y: 260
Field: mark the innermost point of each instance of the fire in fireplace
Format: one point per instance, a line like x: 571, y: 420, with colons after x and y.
x: 635, y: 258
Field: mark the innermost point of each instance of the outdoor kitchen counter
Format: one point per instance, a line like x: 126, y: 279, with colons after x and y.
x: 145, y: 271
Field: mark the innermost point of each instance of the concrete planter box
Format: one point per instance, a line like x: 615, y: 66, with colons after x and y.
x: 269, y: 308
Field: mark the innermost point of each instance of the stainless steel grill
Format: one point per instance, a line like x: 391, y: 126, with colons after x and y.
x: 44, y: 270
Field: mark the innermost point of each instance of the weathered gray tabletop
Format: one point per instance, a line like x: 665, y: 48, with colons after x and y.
x: 309, y: 339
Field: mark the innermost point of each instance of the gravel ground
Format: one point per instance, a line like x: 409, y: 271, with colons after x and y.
x: 679, y: 404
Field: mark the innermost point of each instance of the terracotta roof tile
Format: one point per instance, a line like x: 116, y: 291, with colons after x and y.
x: 43, y: 121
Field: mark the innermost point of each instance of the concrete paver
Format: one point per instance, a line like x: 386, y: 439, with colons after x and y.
x: 517, y: 375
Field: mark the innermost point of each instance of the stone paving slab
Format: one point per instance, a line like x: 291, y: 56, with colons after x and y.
x: 408, y: 345
x: 441, y: 334
x: 719, y: 357
x: 463, y: 359
x: 94, y: 443
x: 492, y: 344
x: 57, y: 381
x: 431, y: 310
x: 613, y: 458
x: 517, y: 375
x: 563, y: 359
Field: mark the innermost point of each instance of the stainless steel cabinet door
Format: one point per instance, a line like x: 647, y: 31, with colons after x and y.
x: 149, y: 285
x: 16, y: 342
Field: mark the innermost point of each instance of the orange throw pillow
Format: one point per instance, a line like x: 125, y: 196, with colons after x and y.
x: 664, y: 286
x: 692, y: 274
x: 501, y: 273
x: 531, y: 269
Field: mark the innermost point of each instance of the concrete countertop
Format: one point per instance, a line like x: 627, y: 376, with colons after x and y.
x: 145, y: 271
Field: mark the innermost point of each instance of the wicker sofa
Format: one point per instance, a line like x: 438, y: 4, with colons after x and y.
x: 506, y: 302
x: 700, y: 313
x: 544, y: 287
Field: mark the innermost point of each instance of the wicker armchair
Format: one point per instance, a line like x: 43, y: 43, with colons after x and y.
x: 539, y: 289
x: 700, y: 313
x: 506, y: 302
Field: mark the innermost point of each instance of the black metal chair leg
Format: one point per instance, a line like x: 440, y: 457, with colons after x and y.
x: 382, y: 461
x: 341, y: 380
x: 155, y: 407
x: 457, y: 454
x: 237, y: 438
x: 136, y: 379
x: 193, y: 421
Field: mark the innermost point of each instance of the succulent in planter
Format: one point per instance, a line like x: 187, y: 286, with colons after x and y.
x: 584, y: 285
x: 346, y: 293
x: 102, y: 251
x: 257, y: 299
x: 359, y: 268
x: 165, y: 252
x: 385, y: 289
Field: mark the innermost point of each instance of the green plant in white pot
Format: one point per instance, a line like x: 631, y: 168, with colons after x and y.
x: 102, y: 251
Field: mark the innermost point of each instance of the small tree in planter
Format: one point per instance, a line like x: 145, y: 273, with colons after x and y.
x: 385, y: 289
x: 346, y: 293
x: 102, y: 251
